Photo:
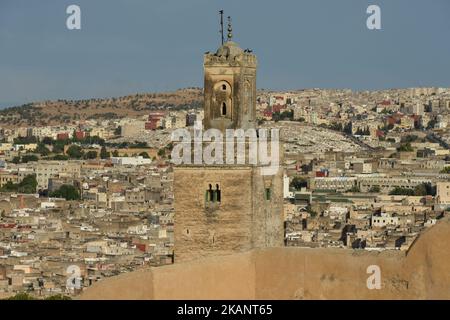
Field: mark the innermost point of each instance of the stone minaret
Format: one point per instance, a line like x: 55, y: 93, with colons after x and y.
x: 230, y: 87
x: 224, y: 209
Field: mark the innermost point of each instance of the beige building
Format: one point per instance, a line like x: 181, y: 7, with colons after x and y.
x: 387, y: 184
x: 133, y: 129
x: 56, y: 169
x: 6, y: 177
x: 339, y: 184
x: 443, y: 192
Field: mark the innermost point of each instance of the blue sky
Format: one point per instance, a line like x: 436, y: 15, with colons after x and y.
x: 129, y: 46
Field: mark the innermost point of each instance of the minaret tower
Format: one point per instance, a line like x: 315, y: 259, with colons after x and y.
x: 222, y: 209
x: 230, y: 86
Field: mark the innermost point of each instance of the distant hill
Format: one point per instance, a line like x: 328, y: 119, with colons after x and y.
x: 67, y: 111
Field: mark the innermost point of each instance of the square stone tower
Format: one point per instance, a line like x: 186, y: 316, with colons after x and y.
x: 230, y: 88
x: 224, y: 209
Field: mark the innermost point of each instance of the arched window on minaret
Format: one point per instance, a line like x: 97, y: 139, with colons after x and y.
x: 224, y: 109
x: 213, y: 195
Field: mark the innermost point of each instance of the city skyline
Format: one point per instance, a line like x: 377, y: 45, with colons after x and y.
x: 225, y: 192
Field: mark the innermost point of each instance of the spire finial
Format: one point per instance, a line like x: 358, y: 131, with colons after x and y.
x: 230, y: 29
x: 221, y: 25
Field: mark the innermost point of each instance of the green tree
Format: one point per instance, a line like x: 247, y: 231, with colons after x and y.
x: 118, y: 131
x: 420, y: 190
x: 48, y: 141
x: 285, y: 115
x: 16, y: 160
x: 58, y: 146
x: 409, y: 138
x: 139, y: 144
x: 311, y: 211
x: 25, y: 140
x: 9, y: 187
x: 58, y: 297
x: 26, y: 296
x: 29, y: 157
x: 67, y: 192
x: 336, y: 126
x: 297, y: 183
x: 28, y: 184
x: 445, y: 170
x: 104, y: 154
x: 42, y: 150
x: 21, y: 296
x: 90, y: 155
x: 375, y: 189
x: 405, y: 148
x: 60, y: 157
x: 115, y: 153
x: 74, y: 136
x: 144, y: 155
x: 398, y: 191
x: 75, y: 152
x: 94, y: 140
x: 354, y: 189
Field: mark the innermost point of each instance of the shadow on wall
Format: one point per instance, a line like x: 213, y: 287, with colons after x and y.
x: 295, y: 273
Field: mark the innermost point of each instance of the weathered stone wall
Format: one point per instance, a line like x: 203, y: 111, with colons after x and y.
x: 217, y: 230
x: 212, y: 278
x: 267, y: 225
x: 129, y: 286
x: 243, y: 220
x: 302, y: 273
x: 238, y: 70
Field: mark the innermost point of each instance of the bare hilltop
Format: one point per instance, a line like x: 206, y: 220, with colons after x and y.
x: 68, y: 111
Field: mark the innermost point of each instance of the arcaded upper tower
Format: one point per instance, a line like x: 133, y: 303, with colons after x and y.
x: 230, y: 88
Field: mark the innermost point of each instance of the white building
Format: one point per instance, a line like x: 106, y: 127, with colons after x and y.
x: 131, y: 161
x: 384, y: 220
x: 287, y: 194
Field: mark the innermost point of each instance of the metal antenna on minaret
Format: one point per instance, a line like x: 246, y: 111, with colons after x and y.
x: 230, y: 29
x: 221, y: 25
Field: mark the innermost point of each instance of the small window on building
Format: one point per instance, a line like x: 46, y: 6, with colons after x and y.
x: 209, y: 194
x: 268, y: 194
x: 224, y: 109
x: 224, y: 87
x: 218, y: 193
x: 213, y: 195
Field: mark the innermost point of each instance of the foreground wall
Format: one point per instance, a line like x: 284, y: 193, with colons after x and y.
x: 231, y: 277
x: 296, y: 273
